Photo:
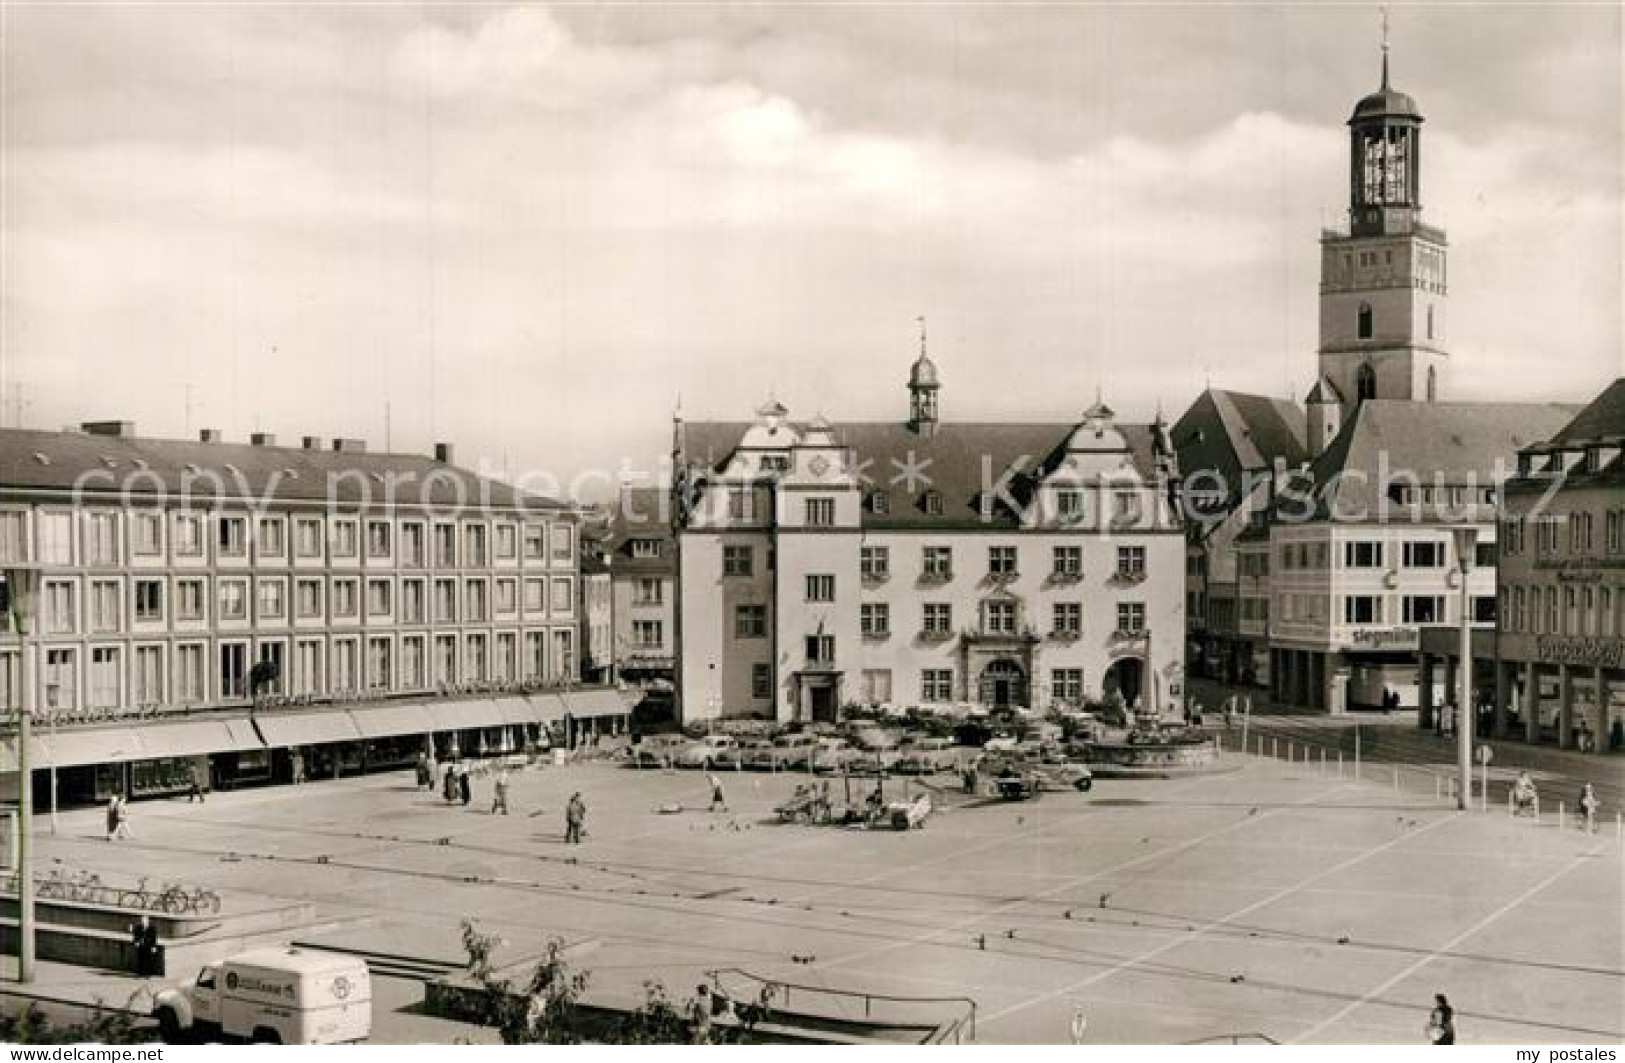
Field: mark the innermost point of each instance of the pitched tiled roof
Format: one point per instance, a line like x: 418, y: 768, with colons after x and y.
x: 155, y: 469
x: 1438, y: 443
x: 1603, y: 419
x: 950, y: 462
x: 642, y: 513
x: 1228, y: 433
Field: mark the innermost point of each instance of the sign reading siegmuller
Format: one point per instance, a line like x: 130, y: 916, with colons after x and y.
x: 1388, y: 638
x: 1580, y: 649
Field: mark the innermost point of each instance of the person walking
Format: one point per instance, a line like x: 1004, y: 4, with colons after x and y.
x: 465, y: 788
x: 121, y: 818
x: 425, y: 773
x: 1587, y: 804
x: 112, y: 816
x: 716, y: 794
x: 1442, y: 1021
x: 296, y: 759
x: 448, y: 784
x: 575, y: 819
x: 499, y: 792
x: 195, y: 792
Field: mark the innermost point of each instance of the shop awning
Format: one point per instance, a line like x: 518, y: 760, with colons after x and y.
x: 308, y: 728
x: 193, y: 737
x: 605, y: 702
x: 98, y: 745
x: 462, y: 715
x: 516, y: 710
x: 548, y: 707
x: 387, y: 721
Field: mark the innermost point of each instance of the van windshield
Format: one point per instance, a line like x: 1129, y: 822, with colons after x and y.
x: 205, y: 979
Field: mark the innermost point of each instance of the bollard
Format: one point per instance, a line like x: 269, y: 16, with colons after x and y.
x: 1619, y: 826
x: 1509, y: 804
x: 1323, y: 760
x: 1396, y: 776
x: 1562, y: 821
x: 1437, y: 786
x: 1273, y: 751
x: 1339, y: 763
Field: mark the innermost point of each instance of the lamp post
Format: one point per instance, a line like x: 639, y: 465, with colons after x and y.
x: 22, y: 585
x: 1466, y: 542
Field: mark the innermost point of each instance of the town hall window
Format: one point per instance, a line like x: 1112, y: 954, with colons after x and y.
x: 1364, y: 321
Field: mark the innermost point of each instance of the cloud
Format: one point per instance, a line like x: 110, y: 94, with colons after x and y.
x: 531, y: 228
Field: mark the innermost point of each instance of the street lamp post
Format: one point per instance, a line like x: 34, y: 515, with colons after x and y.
x: 1466, y: 541
x: 22, y: 584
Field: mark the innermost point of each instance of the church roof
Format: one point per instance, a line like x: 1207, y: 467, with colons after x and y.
x: 905, y: 465
x: 1389, y: 442
x: 1386, y: 103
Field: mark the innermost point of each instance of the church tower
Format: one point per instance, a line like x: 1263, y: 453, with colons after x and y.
x: 1382, y: 283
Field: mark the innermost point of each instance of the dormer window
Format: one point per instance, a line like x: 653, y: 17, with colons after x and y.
x: 1069, y: 504
x: 931, y: 502
x: 879, y: 503
x: 775, y: 462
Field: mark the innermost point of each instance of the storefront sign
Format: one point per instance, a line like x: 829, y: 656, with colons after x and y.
x: 1388, y: 638
x: 1580, y: 649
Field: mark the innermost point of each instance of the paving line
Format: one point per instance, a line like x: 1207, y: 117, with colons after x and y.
x: 1447, y: 946
x: 1215, y: 923
x: 1072, y: 883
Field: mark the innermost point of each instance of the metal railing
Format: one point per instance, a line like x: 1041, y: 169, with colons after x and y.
x: 953, y: 1030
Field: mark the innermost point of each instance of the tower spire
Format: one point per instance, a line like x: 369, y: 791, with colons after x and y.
x: 921, y: 320
x: 1385, y: 48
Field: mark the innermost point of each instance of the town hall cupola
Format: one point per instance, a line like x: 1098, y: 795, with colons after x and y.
x: 922, y: 391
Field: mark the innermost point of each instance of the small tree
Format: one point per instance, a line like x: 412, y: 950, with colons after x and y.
x: 103, y: 1027
x: 543, y: 1012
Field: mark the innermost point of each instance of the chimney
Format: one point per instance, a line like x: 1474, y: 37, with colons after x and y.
x: 313, y: 442
x: 445, y: 453
x: 350, y: 446
x: 263, y: 439
x: 210, y: 435
x: 116, y: 429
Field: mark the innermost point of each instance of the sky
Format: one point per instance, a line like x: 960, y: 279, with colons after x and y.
x: 536, y: 231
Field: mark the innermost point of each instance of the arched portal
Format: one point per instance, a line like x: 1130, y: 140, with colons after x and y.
x: 1003, y: 684
x: 1126, y: 676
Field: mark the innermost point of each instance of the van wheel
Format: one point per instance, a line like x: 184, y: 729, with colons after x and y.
x: 264, y: 1035
x: 1083, y: 785
x: 169, y: 1026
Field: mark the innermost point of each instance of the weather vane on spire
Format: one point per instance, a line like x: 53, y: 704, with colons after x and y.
x: 1384, y: 11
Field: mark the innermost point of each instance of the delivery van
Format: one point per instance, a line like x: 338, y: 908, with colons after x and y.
x: 285, y: 995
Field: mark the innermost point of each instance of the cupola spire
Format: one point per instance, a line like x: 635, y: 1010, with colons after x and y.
x: 922, y: 390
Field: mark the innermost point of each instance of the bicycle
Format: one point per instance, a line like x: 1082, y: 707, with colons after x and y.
x: 174, y: 900
x: 139, y: 897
